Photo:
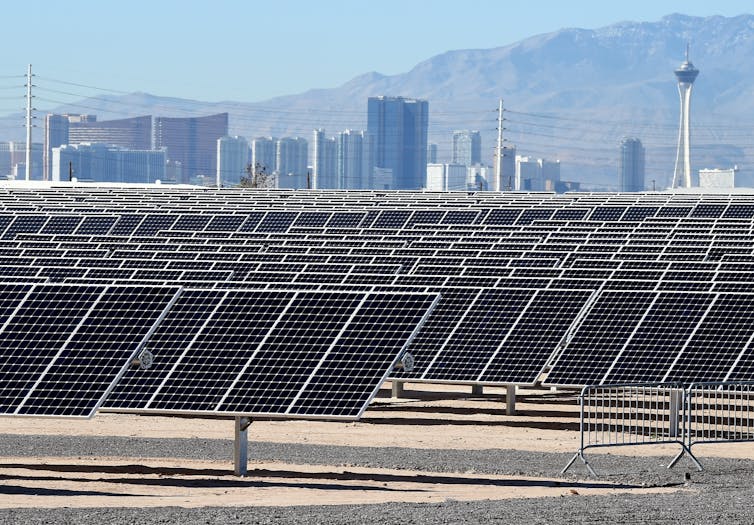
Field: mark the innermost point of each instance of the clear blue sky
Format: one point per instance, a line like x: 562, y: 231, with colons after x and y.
x: 251, y: 50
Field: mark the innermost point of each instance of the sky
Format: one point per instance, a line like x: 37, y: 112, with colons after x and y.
x: 252, y: 50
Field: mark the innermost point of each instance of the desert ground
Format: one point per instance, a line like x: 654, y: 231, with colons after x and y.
x: 434, y: 453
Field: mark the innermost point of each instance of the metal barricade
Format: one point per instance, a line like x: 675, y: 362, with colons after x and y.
x: 720, y: 412
x: 631, y: 414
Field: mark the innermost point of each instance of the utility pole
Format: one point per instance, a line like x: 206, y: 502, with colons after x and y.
x: 28, y: 124
x: 499, y: 166
x: 70, y: 171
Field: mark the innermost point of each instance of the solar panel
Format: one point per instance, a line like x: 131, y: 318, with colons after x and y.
x: 277, y: 221
x: 537, y: 334
x: 600, y: 337
x: 718, y: 341
x: 191, y: 222
x: 25, y: 224
x: 277, y: 353
x: 176, y: 332
x: 126, y: 224
x: 64, y: 345
x: 61, y: 224
x: 659, y: 337
x: 475, y: 339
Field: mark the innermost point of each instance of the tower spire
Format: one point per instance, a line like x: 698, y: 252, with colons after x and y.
x: 686, y: 74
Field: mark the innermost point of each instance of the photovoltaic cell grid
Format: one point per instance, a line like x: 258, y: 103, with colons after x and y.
x: 659, y: 336
x: 273, y: 353
x: 63, y: 346
x: 493, y: 336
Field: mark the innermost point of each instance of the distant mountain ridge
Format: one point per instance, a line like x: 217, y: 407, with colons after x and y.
x: 572, y: 94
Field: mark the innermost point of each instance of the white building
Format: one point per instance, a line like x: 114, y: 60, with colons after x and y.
x: 13, y: 160
x: 355, y: 159
x: 446, y: 177
x: 467, y: 147
x: 324, y: 161
x: 717, y: 178
x: 263, y: 154
x: 106, y: 163
x: 232, y: 158
x: 291, y: 161
x: 479, y: 177
x: 536, y: 174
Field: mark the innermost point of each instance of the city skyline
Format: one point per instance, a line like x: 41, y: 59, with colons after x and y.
x: 525, y: 126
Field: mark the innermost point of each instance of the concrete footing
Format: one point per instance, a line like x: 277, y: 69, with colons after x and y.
x: 510, y: 400
x: 397, y: 390
x: 241, y: 446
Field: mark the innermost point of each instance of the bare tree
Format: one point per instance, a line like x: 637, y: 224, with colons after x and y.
x: 256, y: 177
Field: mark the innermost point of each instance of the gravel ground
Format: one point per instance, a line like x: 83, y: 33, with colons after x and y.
x: 723, y: 493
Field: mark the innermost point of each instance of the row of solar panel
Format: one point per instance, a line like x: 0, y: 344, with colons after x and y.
x: 645, y: 336
x: 446, y: 356
x: 277, y: 353
x: 283, y: 220
x: 490, y: 276
x: 234, y: 196
x: 292, y: 257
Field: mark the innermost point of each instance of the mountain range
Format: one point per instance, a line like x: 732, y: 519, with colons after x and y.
x: 569, y: 95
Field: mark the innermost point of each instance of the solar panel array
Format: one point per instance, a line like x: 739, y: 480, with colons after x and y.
x: 272, y: 353
x: 66, y: 347
x: 603, y: 287
x: 63, y: 346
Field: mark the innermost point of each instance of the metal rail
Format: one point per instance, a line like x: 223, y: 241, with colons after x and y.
x: 632, y: 414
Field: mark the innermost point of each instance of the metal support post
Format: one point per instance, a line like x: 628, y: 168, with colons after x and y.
x: 241, y: 446
x: 510, y: 400
x: 477, y: 390
x: 397, y: 389
x: 676, y: 401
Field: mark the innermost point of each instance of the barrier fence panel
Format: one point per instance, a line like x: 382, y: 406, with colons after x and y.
x: 631, y: 414
x: 720, y: 412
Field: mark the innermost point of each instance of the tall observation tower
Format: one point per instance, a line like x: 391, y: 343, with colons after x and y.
x: 686, y: 75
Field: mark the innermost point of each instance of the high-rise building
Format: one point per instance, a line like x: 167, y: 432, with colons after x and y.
x: 56, y: 134
x: 354, y: 160
x: 191, y: 141
x: 480, y: 177
x: 432, y: 153
x: 550, y: 173
x: 13, y: 160
x: 232, y: 159
x: 446, y: 177
x: 467, y: 147
x: 263, y: 154
x: 686, y: 74
x: 536, y: 174
x: 508, y: 175
x: 631, y: 165
x: 399, y: 127
x: 324, y: 165
x: 133, y: 133
x: 107, y: 163
x: 291, y: 162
